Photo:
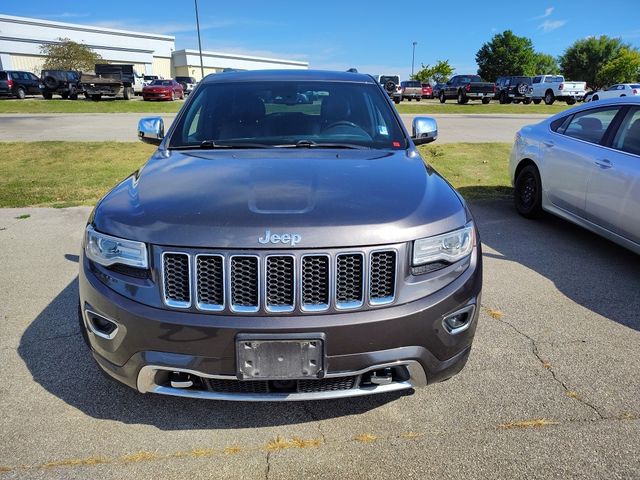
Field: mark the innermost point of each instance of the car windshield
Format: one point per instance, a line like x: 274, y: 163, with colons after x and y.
x: 162, y: 83
x: 470, y: 79
x: 289, y: 114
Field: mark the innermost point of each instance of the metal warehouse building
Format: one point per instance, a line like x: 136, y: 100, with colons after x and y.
x: 152, y: 54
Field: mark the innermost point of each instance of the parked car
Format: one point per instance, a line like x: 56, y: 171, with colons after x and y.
x: 467, y: 87
x: 228, y: 267
x: 391, y: 84
x: 583, y: 165
x: 513, y: 89
x: 111, y: 80
x: 163, y: 90
x: 14, y: 83
x: 554, y: 87
x: 411, y: 90
x: 187, y: 83
x: 437, y: 88
x: 427, y: 91
x: 587, y: 96
x: 65, y: 83
x: 618, y: 90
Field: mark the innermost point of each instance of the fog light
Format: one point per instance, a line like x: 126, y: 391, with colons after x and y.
x: 458, y: 321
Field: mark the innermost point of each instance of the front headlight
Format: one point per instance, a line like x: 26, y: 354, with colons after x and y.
x: 449, y: 247
x: 107, y: 250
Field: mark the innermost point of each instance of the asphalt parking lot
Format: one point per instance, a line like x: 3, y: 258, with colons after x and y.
x: 551, y: 389
x: 122, y: 127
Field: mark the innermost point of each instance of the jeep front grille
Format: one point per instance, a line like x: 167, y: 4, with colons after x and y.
x: 279, y: 283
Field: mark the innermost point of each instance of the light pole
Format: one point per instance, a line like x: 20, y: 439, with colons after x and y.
x: 413, y: 58
x: 199, y: 42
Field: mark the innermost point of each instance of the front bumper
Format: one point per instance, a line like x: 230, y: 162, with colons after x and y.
x: 407, y: 340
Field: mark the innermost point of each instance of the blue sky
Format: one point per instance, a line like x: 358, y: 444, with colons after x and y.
x: 367, y: 35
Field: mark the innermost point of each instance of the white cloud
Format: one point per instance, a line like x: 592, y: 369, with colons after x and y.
x: 550, y: 25
x: 547, y: 13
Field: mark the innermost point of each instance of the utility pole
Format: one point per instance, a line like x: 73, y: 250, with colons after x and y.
x: 413, y: 58
x: 199, y: 42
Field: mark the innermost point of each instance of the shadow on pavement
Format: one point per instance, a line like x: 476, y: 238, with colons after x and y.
x: 57, y: 358
x: 586, y: 268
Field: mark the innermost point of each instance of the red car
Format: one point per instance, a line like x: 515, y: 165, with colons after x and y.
x: 427, y: 91
x: 163, y: 90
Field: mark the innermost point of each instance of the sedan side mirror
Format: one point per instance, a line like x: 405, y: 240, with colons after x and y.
x: 151, y: 130
x: 424, y: 130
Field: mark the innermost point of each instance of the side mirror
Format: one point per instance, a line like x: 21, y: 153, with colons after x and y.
x: 424, y: 130
x: 151, y: 130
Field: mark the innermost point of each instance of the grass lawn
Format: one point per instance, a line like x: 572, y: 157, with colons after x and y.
x: 38, y: 105
x: 63, y: 174
x: 476, y: 170
x: 475, y: 108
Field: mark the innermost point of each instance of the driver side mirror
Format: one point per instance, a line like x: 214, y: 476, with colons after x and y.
x: 151, y: 130
x: 424, y: 130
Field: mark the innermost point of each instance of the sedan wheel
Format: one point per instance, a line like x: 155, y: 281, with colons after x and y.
x: 527, y: 193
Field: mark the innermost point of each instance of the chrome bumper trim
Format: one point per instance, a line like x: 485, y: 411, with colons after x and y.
x: 146, y: 384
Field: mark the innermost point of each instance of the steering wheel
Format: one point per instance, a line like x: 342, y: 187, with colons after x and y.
x: 342, y: 123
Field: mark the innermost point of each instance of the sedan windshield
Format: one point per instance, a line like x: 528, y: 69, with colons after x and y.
x: 161, y: 83
x: 289, y: 114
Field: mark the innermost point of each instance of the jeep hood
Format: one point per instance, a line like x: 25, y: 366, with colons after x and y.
x: 330, y: 198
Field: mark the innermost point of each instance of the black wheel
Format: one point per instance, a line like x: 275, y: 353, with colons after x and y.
x: 486, y: 100
x: 418, y: 99
x: 173, y: 95
x: 396, y: 100
x: 536, y: 101
x: 96, y: 97
x: 127, y: 94
x: 516, y: 101
x: 73, y: 96
x: 571, y: 101
x: 549, y: 98
x: 442, y: 97
x: 47, y: 95
x: 20, y: 93
x: 461, y: 98
x: 527, y: 193
x: 503, y: 99
x: 64, y: 95
x: 526, y: 101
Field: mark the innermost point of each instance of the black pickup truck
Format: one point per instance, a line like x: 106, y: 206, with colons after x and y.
x: 467, y: 87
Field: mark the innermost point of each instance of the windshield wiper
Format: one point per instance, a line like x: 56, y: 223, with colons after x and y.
x: 211, y: 145
x: 312, y: 144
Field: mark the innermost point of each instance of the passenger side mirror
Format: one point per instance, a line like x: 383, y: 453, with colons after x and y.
x: 151, y: 130
x: 424, y: 130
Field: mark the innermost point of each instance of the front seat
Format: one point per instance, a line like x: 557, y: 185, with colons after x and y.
x: 631, y: 142
x: 245, y: 119
x: 334, y: 109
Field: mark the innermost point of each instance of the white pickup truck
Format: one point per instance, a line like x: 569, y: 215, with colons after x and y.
x: 554, y: 87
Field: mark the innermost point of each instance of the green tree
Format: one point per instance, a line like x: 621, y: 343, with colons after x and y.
x: 585, y: 58
x: 545, y: 64
x: 438, y: 73
x: 69, y: 55
x: 624, y: 68
x: 506, y: 54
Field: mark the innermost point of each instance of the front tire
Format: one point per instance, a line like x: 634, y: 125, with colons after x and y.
x: 526, y: 101
x: 442, y: 97
x: 396, y: 100
x: 571, y: 101
x: 527, y: 194
x: 536, y: 101
x: 47, y: 95
x: 462, y: 99
x: 20, y: 93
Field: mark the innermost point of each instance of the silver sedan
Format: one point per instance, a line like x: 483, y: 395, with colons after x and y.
x: 583, y: 165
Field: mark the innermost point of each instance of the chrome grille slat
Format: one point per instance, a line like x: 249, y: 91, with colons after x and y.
x: 280, y: 283
x: 316, y: 283
x: 245, y: 287
x: 210, y: 286
x: 176, y: 279
x: 349, y: 280
x: 382, y: 277
x: 272, y: 282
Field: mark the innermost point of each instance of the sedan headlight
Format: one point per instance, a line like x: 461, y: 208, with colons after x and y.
x: 107, y: 250
x: 449, y: 247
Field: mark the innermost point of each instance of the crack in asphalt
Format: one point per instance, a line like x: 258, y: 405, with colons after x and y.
x: 548, y: 367
x: 316, y: 419
x: 266, y: 473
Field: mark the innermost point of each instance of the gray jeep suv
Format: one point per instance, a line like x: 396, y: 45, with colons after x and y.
x: 278, y: 250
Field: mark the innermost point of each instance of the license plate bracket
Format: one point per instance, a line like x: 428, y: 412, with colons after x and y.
x: 280, y: 357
